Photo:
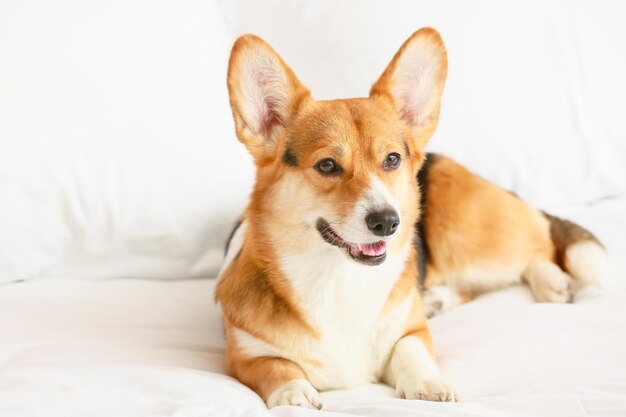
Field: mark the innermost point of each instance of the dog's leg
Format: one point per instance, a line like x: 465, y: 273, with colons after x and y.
x: 439, y: 299
x: 548, y: 282
x: 280, y: 382
x: 413, y: 371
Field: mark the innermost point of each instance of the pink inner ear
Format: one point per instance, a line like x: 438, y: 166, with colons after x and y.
x: 268, y: 103
x: 409, y: 115
x: 270, y: 118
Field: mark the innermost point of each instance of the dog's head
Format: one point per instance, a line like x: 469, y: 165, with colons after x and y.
x: 339, y: 172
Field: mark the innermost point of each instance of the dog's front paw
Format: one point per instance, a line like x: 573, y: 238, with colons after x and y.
x: 298, y: 392
x: 414, y: 388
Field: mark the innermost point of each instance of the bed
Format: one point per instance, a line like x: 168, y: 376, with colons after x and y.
x: 120, y: 179
x: 155, y: 348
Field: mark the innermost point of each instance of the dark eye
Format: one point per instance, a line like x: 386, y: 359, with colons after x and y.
x: 328, y: 167
x: 391, y: 162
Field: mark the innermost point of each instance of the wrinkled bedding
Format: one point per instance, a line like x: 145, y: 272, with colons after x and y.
x: 131, y: 347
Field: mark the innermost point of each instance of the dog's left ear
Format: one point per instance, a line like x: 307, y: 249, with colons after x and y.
x: 414, y: 82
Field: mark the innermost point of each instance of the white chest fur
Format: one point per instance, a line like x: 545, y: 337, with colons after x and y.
x: 344, y: 300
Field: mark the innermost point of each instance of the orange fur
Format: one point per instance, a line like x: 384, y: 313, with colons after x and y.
x: 479, y: 236
x: 358, y: 133
x: 475, y: 224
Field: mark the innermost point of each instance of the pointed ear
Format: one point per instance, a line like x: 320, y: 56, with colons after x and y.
x: 264, y: 94
x: 414, y: 82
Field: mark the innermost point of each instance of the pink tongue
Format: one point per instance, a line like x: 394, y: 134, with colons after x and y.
x: 374, y: 249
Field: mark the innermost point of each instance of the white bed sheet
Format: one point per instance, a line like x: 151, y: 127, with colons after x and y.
x: 149, y: 348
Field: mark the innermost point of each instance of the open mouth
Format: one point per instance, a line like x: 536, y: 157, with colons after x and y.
x: 365, y: 253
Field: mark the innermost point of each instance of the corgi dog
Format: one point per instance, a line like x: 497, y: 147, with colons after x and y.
x: 354, y: 234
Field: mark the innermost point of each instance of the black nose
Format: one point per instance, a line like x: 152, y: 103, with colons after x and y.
x: 383, y: 223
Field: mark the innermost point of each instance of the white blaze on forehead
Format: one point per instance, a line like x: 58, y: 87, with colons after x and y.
x: 379, y: 197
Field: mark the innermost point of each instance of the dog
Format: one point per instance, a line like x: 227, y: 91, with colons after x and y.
x: 354, y: 234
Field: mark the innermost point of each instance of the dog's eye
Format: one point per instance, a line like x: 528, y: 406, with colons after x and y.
x: 328, y: 167
x: 391, y: 162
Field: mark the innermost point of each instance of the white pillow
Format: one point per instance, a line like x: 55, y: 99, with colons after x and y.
x: 535, y: 93
x: 117, y: 149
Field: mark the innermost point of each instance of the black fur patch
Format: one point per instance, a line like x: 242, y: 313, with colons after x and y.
x: 420, y: 242
x: 230, y: 237
x: 289, y: 158
x: 565, y: 233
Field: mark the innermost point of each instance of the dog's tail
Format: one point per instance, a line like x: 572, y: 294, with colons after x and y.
x: 578, y: 252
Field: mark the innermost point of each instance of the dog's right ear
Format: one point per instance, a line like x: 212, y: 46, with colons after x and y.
x: 264, y: 95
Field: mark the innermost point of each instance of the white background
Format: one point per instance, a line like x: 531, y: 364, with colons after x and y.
x: 117, y: 151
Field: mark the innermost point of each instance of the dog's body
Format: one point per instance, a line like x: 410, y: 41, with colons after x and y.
x: 481, y: 237
x: 320, y: 284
